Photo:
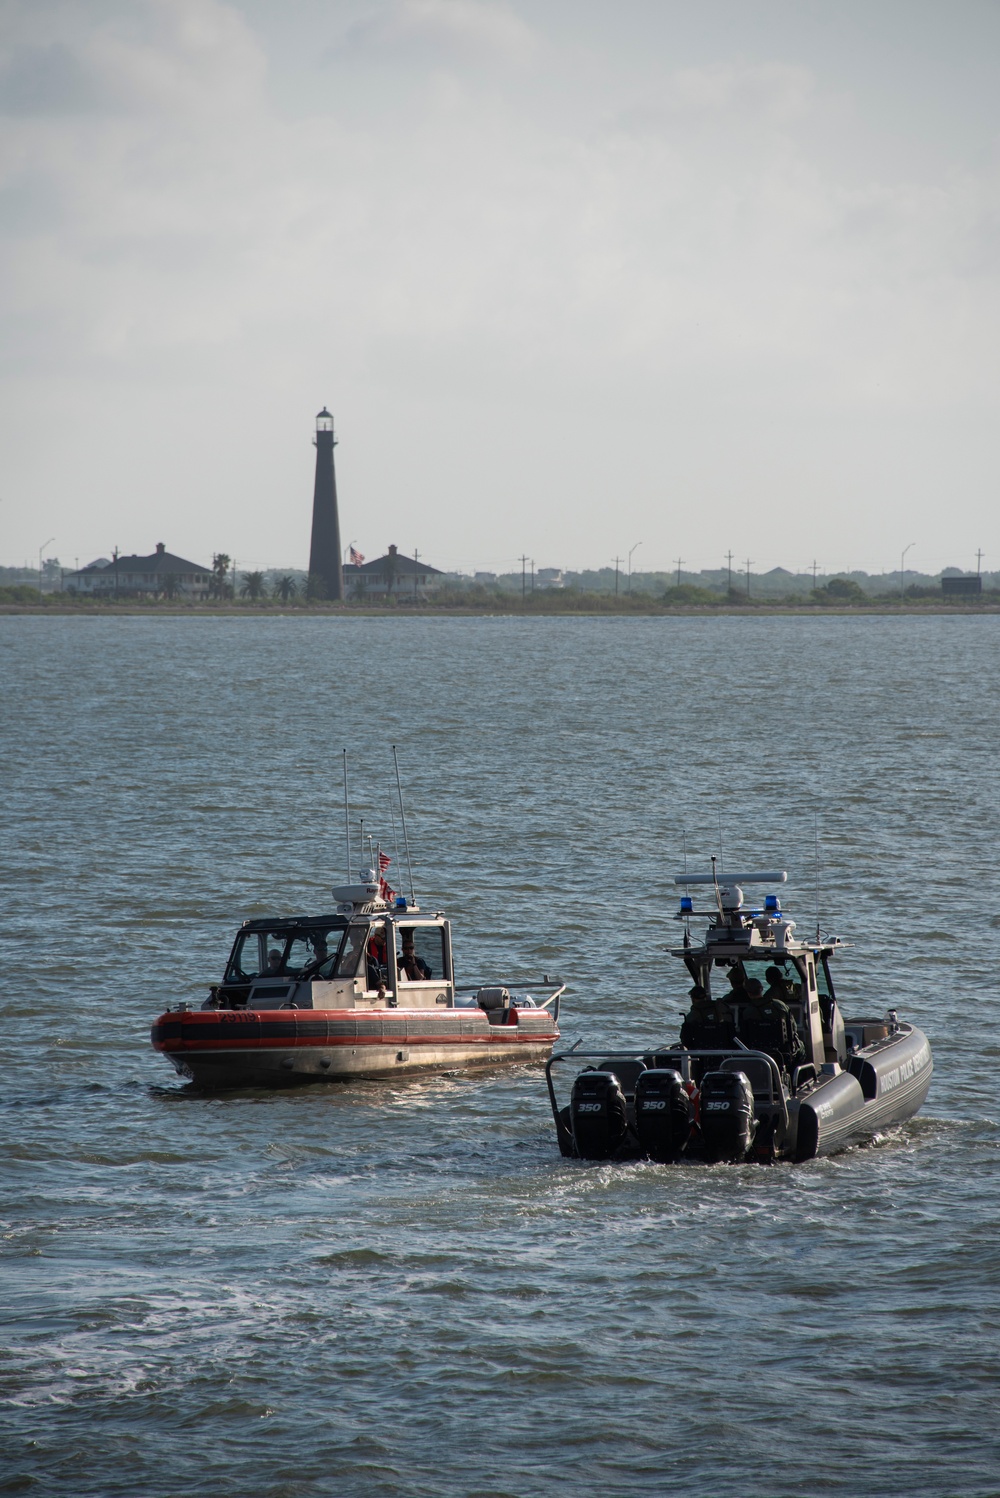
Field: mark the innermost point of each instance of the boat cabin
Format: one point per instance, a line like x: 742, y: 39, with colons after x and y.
x: 744, y: 943
x: 367, y: 955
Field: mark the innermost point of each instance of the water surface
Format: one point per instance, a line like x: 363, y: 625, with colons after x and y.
x: 403, y: 1289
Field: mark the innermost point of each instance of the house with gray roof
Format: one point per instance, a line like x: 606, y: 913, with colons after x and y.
x: 162, y: 572
x: 391, y: 576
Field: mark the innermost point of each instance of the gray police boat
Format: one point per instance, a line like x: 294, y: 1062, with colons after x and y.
x: 758, y: 1075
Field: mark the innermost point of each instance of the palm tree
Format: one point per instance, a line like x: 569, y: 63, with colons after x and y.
x: 253, y: 586
x: 285, y: 588
x: 219, y: 587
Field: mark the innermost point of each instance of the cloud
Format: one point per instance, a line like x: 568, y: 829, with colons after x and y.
x: 178, y: 56
x: 450, y: 32
x: 52, y: 79
x: 693, y: 261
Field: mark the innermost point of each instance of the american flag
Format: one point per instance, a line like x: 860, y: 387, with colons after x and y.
x: 383, y: 888
x: 356, y: 558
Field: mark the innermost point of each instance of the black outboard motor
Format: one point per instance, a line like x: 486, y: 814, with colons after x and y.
x: 597, y: 1115
x: 727, y: 1117
x: 662, y: 1114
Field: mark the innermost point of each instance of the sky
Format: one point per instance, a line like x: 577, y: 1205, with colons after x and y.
x: 575, y: 278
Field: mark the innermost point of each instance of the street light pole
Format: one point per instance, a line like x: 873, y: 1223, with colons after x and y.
x: 902, y: 563
x: 638, y: 543
x: 40, y: 550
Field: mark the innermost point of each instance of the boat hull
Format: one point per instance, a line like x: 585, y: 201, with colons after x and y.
x: 883, y: 1086
x: 220, y: 1049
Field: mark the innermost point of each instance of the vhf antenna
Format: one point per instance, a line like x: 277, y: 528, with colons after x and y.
x: 347, y: 820
x: 406, y: 840
x: 718, y: 892
x: 816, y: 837
x: 395, y: 839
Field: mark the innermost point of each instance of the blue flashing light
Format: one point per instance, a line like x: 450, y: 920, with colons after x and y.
x: 771, y: 905
x: 687, y: 905
x: 400, y: 902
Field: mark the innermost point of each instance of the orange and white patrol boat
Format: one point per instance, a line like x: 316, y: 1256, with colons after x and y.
x: 366, y: 991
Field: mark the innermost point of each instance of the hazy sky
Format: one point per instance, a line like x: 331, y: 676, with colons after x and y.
x: 570, y: 274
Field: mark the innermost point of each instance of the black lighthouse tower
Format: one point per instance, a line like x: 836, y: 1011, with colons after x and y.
x: 326, y: 570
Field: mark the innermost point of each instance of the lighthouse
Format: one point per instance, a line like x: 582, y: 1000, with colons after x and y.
x: 326, y: 572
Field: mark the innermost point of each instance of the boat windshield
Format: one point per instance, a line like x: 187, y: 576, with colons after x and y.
x: 774, y: 972
x: 284, y: 953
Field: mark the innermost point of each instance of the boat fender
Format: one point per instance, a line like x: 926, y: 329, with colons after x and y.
x: 493, y: 998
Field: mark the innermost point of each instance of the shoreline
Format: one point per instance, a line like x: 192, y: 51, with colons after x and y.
x: 654, y: 611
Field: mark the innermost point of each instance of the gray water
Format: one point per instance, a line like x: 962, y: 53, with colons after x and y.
x: 402, y: 1289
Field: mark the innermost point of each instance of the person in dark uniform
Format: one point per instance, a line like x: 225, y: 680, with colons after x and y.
x: 738, y: 983
x: 767, y: 1025
x: 778, y: 987
x: 708, y: 1024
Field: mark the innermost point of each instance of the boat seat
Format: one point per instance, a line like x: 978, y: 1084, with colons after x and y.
x: 757, y: 1072
x: 627, y: 1072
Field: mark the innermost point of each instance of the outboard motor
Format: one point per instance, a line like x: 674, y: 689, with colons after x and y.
x: 597, y: 1115
x: 662, y: 1114
x: 728, y: 1123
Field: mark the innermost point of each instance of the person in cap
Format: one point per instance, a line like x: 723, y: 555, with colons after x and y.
x: 408, y: 964
x: 767, y: 1025
x: 708, y: 1024
x: 778, y: 987
x: 738, y: 983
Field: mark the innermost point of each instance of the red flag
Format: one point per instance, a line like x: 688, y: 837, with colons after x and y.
x: 383, y: 861
x: 388, y: 895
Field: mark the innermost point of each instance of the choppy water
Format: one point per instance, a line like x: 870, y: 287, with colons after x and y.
x: 403, y: 1289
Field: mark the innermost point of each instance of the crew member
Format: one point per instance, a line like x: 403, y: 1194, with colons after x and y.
x: 408, y: 963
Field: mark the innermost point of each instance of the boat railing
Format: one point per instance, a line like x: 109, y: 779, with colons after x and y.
x: 640, y: 1058
x: 518, y: 986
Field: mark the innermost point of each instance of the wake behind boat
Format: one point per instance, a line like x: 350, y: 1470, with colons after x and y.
x: 760, y: 1072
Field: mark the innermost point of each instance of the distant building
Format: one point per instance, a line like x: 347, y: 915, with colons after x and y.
x: 961, y: 587
x: 549, y: 577
x: 161, y: 572
x: 325, y: 555
x: 393, y: 575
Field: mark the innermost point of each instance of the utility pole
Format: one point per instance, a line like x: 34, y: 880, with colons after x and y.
x: 814, y: 569
x: 115, y: 555
x: 617, y: 561
x: 979, y: 562
x: 638, y: 543
x: 902, y: 565
x: 524, y: 579
x: 234, y: 577
x: 729, y: 564
x: 680, y: 563
x: 532, y: 574
x: 416, y: 558
x: 748, y: 577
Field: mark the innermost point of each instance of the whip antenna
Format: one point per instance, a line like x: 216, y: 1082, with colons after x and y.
x: 406, y: 840
x: 816, y: 880
x: 347, y: 820
x: 395, y: 839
